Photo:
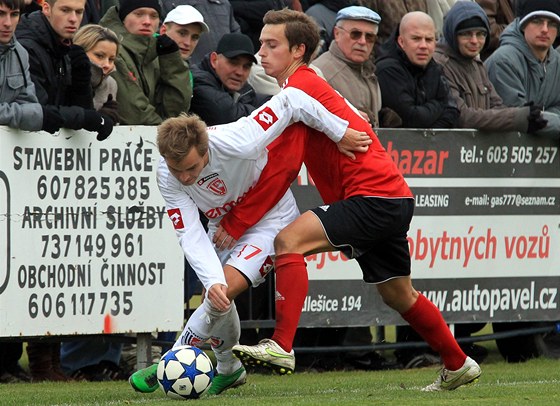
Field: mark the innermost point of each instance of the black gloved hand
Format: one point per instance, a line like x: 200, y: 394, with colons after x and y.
x: 52, y: 119
x: 80, y: 72
x: 166, y: 45
x: 78, y: 58
x: 535, y: 119
x: 110, y: 108
x: 94, y: 121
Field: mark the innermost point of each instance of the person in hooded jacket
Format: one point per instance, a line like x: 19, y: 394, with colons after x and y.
x: 526, y: 68
x: 465, y: 34
x: 412, y: 83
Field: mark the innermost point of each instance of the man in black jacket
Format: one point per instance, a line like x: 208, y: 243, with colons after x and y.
x: 412, y: 83
x: 60, y: 70
x: 221, y: 93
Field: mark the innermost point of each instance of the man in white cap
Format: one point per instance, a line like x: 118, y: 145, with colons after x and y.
x: 184, y: 25
x: 526, y: 68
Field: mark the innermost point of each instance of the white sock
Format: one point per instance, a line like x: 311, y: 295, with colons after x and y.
x: 225, y: 335
x: 199, y: 326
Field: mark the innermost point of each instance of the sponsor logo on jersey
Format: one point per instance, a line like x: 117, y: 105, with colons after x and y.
x: 218, y: 187
x: 206, y: 179
x: 220, y: 211
x: 324, y: 208
x: 176, y: 218
x: 266, y: 118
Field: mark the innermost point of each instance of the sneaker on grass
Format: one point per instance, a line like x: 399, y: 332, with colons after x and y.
x: 221, y: 383
x: 266, y: 353
x: 145, y: 380
x: 449, y: 380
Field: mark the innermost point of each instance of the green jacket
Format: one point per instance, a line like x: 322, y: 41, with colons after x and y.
x: 151, y: 88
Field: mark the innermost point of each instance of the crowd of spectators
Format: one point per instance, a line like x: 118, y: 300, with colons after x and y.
x: 92, y: 64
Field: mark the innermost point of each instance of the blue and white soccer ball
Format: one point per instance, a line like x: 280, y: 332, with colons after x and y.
x: 185, y: 372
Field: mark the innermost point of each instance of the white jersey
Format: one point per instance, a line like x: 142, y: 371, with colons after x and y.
x: 237, y: 155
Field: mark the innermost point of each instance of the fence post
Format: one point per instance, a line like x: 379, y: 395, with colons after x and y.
x: 143, y: 350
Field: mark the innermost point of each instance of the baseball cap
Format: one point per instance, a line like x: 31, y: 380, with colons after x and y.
x: 232, y: 45
x: 184, y: 15
x: 358, y: 13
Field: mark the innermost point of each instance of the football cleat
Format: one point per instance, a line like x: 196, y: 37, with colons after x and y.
x: 145, y: 380
x: 449, y: 380
x: 221, y: 382
x: 266, y: 353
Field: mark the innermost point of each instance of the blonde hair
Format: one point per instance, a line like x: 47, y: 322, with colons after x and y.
x: 176, y: 136
x: 90, y: 34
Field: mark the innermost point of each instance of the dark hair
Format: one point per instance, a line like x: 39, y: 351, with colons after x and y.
x: 13, y: 4
x: 300, y: 29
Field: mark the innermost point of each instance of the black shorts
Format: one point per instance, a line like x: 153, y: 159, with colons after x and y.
x: 373, y: 231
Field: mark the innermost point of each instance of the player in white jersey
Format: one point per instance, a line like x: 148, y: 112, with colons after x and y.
x: 211, y: 170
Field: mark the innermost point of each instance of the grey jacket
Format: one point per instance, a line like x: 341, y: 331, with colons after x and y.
x: 356, y: 82
x: 19, y: 107
x: 519, y: 77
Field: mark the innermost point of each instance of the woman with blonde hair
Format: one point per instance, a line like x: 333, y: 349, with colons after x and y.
x: 96, y: 359
x: 102, y: 46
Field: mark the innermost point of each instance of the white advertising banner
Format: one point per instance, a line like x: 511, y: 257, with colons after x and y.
x: 86, y: 246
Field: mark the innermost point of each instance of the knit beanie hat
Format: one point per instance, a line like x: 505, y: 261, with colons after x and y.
x: 128, y: 6
x: 471, y: 24
x: 527, y: 9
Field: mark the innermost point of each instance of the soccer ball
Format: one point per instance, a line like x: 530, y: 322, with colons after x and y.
x: 185, y: 372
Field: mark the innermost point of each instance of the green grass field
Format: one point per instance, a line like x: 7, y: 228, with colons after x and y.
x: 536, y: 382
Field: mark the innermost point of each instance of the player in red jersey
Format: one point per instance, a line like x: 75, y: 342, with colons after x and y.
x: 367, y: 213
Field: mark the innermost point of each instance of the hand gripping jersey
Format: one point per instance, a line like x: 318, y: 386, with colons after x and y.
x: 237, y: 155
x: 336, y: 176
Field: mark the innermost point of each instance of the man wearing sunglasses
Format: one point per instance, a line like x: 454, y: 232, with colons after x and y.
x: 412, y: 84
x: 347, y: 65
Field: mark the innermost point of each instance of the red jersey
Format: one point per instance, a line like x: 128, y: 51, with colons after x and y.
x: 336, y: 176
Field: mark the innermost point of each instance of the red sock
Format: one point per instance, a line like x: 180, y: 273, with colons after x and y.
x: 426, y: 319
x: 291, y: 289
